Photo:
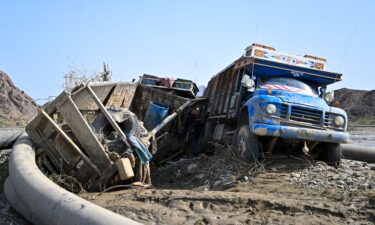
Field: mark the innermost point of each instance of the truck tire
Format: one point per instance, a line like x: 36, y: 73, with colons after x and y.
x: 132, y: 126
x: 333, y: 154
x: 247, y: 144
x: 205, y: 137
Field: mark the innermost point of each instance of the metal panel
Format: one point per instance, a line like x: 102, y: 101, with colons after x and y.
x: 218, y: 132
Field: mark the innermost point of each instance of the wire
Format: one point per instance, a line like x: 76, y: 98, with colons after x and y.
x: 347, y: 46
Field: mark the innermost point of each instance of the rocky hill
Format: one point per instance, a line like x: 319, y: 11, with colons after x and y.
x: 359, y: 104
x: 16, y: 107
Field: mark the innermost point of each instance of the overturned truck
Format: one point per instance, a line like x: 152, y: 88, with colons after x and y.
x: 94, y: 133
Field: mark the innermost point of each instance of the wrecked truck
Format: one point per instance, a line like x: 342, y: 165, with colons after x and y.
x: 106, y: 133
x: 268, y: 101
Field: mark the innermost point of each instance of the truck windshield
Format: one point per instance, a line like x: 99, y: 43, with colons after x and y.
x: 287, y: 84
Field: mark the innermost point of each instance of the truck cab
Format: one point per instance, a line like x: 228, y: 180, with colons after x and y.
x: 268, y: 101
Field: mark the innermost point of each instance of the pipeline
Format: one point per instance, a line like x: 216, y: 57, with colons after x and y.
x: 359, y: 153
x: 42, y: 202
x: 8, y: 136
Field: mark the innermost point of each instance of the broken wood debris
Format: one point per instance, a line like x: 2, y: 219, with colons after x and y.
x: 94, y: 133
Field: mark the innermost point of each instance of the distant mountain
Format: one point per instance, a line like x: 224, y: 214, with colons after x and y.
x: 16, y: 107
x: 358, y: 104
x: 201, y: 90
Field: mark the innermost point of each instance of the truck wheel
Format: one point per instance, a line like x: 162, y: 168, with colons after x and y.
x: 248, y: 144
x: 333, y: 154
x: 132, y: 126
x: 205, y: 137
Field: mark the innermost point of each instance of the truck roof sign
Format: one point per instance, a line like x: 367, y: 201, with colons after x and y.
x: 270, y: 54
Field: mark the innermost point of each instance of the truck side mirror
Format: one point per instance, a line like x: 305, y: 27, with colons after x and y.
x: 248, y: 82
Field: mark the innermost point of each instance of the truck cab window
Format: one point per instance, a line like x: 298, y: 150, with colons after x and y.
x: 288, y: 84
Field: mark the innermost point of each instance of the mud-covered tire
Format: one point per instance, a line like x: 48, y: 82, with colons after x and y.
x: 205, y: 136
x: 333, y: 154
x: 247, y: 144
x: 132, y: 126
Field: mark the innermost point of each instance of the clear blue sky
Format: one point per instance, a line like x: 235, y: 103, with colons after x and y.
x: 42, y: 40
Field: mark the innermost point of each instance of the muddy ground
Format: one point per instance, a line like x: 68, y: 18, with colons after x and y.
x: 222, y: 189
x: 272, y: 196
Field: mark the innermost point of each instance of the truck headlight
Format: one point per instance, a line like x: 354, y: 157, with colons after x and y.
x: 271, y: 109
x: 329, y: 97
x: 339, y: 121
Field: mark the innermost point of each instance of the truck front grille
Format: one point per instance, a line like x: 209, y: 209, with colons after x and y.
x: 283, y: 109
x: 327, y: 119
x: 306, y: 115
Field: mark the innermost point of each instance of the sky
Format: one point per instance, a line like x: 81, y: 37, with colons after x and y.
x: 41, y: 41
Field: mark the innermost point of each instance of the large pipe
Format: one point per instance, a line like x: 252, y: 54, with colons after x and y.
x: 16, y: 203
x: 8, y: 136
x: 366, y: 154
x: 169, y: 118
x: 44, y: 202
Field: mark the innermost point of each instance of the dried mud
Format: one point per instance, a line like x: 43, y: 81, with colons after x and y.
x: 223, y: 190
x: 268, y: 198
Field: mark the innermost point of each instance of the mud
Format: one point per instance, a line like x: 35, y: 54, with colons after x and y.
x: 363, y: 136
x: 268, y: 198
x: 223, y: 190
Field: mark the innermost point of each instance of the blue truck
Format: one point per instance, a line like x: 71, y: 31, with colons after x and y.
x: 268, y: 102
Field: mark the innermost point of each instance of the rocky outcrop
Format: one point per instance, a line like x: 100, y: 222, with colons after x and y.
x: 358, y: 104
x: 16, y: 107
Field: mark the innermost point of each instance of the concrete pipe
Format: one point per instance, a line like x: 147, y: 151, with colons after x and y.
x: 8, y: 136
x: 44, y: 202
x: 366, y: 154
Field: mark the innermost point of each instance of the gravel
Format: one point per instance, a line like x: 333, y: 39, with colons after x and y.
x: 350, y: 176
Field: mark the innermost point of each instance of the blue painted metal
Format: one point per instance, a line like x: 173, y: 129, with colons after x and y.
x: 155, y: 114
x: 263, y: 68
x: 290, y: 132
x: 295, y: 98
x: 297, y: 116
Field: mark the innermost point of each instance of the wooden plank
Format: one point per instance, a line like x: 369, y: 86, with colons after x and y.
x: 84, y: 134
x: 84, y: 173
x: 83, y: 100
x: 66, y: 144
x: 122, y: 95
x: 109, y: 117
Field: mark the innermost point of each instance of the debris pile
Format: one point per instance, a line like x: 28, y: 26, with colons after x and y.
x: 220, y: 171
x: 104, y: 134
x: 350, y: 176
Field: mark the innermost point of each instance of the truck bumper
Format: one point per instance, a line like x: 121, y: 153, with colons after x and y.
x: 300, y: 133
